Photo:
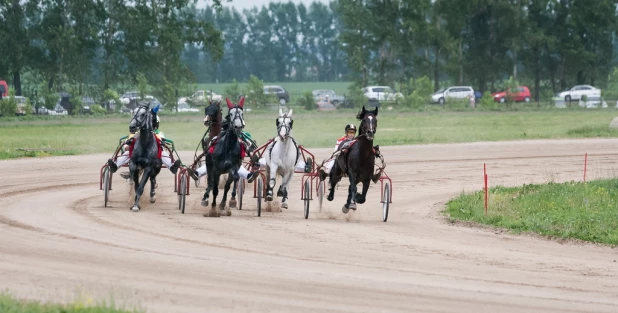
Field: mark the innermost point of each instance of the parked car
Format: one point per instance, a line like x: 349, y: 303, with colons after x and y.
x: 201, y: 97
x: 87, y: 103
x: 280, y: 92
x: 592, y: 102
x: 185, y: 107
x: 328, y: 95
x: 21, y: 105
x: 324, y: 106
x: 4, y: 89
x: 381, y: 93
x: 518, y: 94
x: 128, y: 96
x: 578, y: 91
x: 453, y: 92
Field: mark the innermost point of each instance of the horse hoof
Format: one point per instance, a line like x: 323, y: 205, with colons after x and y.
x: 360, y: 199
x: 284, y: 205
x: 352, y: 206
x: 135, y: 208
x: 232, y: 204
x: 330, y: 198
x: 269, y: 198
x: 228, y: 213
x: 222, y: 206
x: 204, y: 202
x: 153, y: 199
x: 344, y: 209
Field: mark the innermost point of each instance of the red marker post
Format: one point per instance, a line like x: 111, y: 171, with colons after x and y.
x: 585, y: 165
x: 485, y: 179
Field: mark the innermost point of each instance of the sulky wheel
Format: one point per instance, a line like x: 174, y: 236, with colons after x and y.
x: 321, y: 188
x: 240, y: 192
x: 260, y: 191
x: 182, y: 192
x: 306, y: 197
x: 107, y: 183
x: 386, y: 202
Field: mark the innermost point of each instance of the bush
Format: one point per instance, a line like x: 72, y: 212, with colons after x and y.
x: 98, y: 110
x: 487, y: 101
x: 307, y: 101
x: 108, y: 96
x: 355, y: 97
x: 421, y: 90
x: 255, y: 93
x: 233, y: 90
x: 8, y: 106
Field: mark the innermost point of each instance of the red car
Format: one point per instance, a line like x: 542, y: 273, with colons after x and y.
x: 518, y: 94
x: 4, y: 89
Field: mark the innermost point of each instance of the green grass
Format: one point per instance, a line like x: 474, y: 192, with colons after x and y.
x: 585, y: 211
x: 9, y: 304
x: 42, y: 136
x: 340, y: 88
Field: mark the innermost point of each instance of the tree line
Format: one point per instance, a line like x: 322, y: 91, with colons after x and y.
x: 546, y: 44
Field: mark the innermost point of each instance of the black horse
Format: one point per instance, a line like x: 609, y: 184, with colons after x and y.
x: 225, y: 158
x: 357, y: 161
x: 144, y: 158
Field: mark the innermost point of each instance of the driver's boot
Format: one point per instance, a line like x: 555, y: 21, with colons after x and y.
x: 112, y: 165
x: 175, y: 167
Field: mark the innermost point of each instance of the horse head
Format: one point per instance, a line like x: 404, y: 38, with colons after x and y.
x: 142, y: 119
x: 369, y: 123
x: 213, y: 113
x: 235, y: 114
x: 284, y: 124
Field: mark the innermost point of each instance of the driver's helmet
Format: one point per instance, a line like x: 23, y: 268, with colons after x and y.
x: 350, y: 127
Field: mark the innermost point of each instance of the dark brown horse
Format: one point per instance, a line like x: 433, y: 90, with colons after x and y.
x: 357, y: 161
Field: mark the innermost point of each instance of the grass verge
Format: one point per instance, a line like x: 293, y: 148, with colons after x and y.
x: 69, y: 135
x: 572, y: 210
x: 9, y: 304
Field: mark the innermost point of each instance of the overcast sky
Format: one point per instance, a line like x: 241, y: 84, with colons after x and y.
x: 247, y: 4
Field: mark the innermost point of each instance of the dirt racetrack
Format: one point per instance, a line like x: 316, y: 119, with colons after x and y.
x: 58, y: 242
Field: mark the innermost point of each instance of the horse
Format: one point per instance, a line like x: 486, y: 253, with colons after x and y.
x: 357, y: 162
x: 281, y: 157
x: 225, y: 158
x: 213, y: 120
x: 145, y: 156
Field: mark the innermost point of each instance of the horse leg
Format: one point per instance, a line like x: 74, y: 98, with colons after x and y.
x: 210, y: 181
x: 350, y: 203
x: 215, y: 189
x: 226, y: 189
x: 285, y: 182
x: 153, y: 186
x: 272, y: 174
x: 360, y: 197
x: 232, y: 203
x: 139, y: 188
x: 335, y: 176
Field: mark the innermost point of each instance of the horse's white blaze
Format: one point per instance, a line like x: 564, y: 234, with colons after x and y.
x: 370, y: 123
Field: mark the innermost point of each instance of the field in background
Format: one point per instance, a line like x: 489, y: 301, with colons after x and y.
x: 292, y: 87
x: 65, y: 135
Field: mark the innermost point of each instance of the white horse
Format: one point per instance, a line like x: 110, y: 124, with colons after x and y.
x: 281, y: 157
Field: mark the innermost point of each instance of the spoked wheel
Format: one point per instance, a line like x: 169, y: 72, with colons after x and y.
x: 306, y: 196
x: 260, y: 190
x: 182, y: 192
x: 106, y: 184
x: 240, y: 192
x: 321, y: 193
x: 387, y: 200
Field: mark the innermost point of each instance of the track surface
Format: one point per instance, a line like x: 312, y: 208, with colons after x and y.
x: 58, y: 242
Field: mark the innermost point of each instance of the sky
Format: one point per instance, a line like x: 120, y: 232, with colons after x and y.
x: 247, y: 4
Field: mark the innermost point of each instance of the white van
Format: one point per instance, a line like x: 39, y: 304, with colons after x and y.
x: 455, y: 92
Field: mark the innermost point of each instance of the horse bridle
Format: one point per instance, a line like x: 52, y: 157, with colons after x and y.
x: 364, y: 127
x: 139, y: 121
x: 236, y: 117
x: 288, y: 129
